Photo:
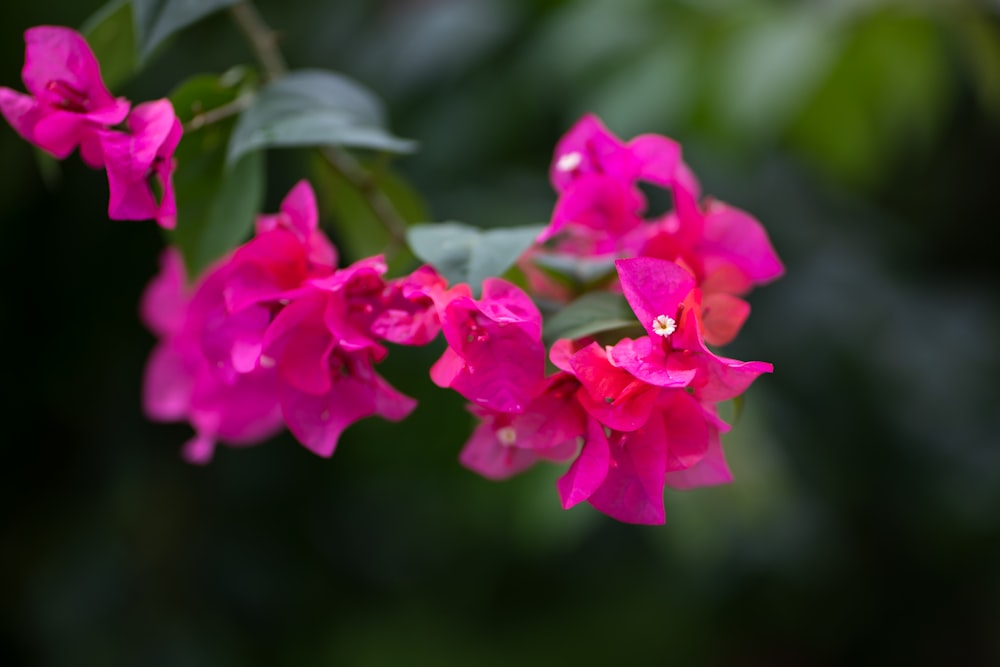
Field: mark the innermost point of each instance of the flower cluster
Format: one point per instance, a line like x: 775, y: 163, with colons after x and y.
x: 276, y: 335
x: 68, y: 106
x: 646, y: 408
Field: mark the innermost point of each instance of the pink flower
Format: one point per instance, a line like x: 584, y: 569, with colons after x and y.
x: 495, y: 356
x: 504, y: 444
x: 135, y: 158
x: 68, y: 102
x: 182, y: 385
x: 726, y: 250
x: 663, y: 297
x: 322, y: 350
x: 600, y: 208
x: 623, y: 473
x: 407, y: 314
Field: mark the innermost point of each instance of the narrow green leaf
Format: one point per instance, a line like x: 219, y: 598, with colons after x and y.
x: 466, y: 254
x: 109, y: 33
x: 314, y: 108
x: 592, y: 313
x: 216, y: 202
x: 156, y: 20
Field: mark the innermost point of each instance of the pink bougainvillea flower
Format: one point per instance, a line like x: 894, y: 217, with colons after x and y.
x: 504, y: 444
x: 594, y: 214
x: 321, y: 348
x: 495, y: 356
x: 590, y: 148
x: 623, y: 473
x: 68, y: 101
x: 299, y: 214
x: 726, y: 250
x: 140, y: 164
x: 662, y: 296
x: 600, y: 208
x: 181, y: 384
x: 408, y: 313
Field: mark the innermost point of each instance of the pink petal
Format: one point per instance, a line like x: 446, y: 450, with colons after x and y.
x: 653, y: 287
x: 658, y: 158
x: 55, y: 53
x: 711, y: 470
x: 484, y: 454
x: 646, y: 361
x: 739, y: 238
x: 723, y: 316
x: 300, y: 207
x: 200, y: 449
x: 318, y: 421
x: 168, y: 383
x: 22, y: 112
x: 164, y: 302
x: 588, y: 471
x: 633, y: 489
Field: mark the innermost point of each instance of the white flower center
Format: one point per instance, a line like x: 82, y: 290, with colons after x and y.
x: 664, y: 325
x: 507, y: 435
x: 569, y: 162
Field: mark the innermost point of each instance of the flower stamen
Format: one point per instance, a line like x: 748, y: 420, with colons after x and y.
x: 664, y: 325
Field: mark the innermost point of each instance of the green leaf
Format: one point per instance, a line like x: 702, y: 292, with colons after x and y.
x: 216, y: 202
x: 465, y: 254
x: 109, y: 33
x: 314, y: 108
x: 592, y: 313
x: 156, y: 20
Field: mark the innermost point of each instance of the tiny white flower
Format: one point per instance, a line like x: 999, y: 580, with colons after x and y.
x: 569, y: 162
x: 507, y: 435
x: 664, y: 325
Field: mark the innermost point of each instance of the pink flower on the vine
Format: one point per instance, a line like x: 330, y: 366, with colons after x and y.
x: 495, y: 356
x: 623, y: 473
x: 135, y: 158
x: 323, y: 352
x: 181, y: 384
x: 600, y: 208
x: 663, y: 296
x: 68, y: 102
x: 504, y: 444
x: 259, y: 277
x: 726, y: 250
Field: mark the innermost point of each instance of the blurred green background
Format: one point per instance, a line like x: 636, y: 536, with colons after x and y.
x: 864, y: 523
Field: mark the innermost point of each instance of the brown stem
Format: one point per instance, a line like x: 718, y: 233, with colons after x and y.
x: 263, y: 40
x: 216, y: 114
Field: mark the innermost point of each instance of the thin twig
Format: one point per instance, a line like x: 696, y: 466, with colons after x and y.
x: 264, y: 42
x: 216, y: 114
x: 348, y: 167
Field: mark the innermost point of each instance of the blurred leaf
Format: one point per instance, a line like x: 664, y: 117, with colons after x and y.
x: 357, y: 229
x: 156, y: 20
x: 981, y: 40
x: 466, y: 254
x: 887, y: 91
x: 109, y: 33
x: 769, y: 69
x: 216, y: 201
x: 590, y: 314
x: 314, y: 108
